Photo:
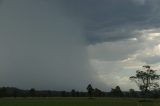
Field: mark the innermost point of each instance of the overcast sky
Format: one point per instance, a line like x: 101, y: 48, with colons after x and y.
x: 67, y: 44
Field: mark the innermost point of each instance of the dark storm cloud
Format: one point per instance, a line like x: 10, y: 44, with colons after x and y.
x: 43, y: 42
x: 41, y: 46
x: 113, y: 20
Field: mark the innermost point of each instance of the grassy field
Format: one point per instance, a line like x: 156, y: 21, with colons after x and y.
x: 68, y: 101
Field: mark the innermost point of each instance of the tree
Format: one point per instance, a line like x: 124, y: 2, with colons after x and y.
x: 90, y: 90
x: 32, y: 92
x: 64, y: 93
x: 15, y: 93
x: 132, y: 93
x: 116, y: 92
x: 73, y: 92
x: 146, y: 79
x: 3, y: 92
x: 98, y: 92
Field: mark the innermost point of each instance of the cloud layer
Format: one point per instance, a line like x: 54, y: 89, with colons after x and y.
x: 42, y: 47
x: 112, y: 20
x: 63, y: 44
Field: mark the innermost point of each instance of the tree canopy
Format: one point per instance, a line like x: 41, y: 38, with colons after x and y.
x: 90, y: 90
x: 146, y: 79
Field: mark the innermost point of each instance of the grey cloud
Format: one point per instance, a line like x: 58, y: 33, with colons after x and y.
x: 151, y: 59
x: 42, y: 47
x: 104, y: 18
x: 114, y: 51
x: 43, y: 42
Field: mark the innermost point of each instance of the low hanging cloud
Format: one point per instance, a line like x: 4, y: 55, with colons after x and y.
x: 42, y: 47
x: 49, y: 44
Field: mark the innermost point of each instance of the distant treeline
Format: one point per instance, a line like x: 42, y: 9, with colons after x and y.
x: 115, y: 92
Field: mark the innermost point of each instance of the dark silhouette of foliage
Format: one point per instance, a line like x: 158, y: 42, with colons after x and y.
x: 132, y: 93
x: 90, y: 90
x: 73, y: 92
x: 49, y: 93
x: 15, y: 93
x: 116, y: 92
x: 77, y: 93
x: 32, y: 92
x: 146, y: 79
x: 64, y: 94
x: 3, y: 92
x: 98, y: 92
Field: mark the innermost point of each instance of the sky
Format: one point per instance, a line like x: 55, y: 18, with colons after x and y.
x: 67, y: 44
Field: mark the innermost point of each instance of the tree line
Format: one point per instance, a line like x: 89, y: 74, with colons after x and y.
x: 146, y: 80
x: 91, y: 92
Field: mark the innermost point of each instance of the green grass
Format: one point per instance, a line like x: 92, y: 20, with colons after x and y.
x: 68, y: 101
